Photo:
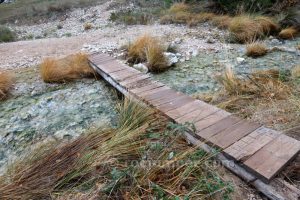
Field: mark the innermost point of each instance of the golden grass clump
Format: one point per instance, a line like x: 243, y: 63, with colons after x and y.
x: 288, y: 33
x: 247, y: 28
x: 156, y: 61
x: 267, y: 25
x: 296, y: 71
x: 6, y: 83
x: 66, y: 69
x: 222, y: 21
x: 256, y: 49
x: 148, y: 49
x: 244, y: 29
x: 262, y: 84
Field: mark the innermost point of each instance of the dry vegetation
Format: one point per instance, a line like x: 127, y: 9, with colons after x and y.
x: 288, y: 33
x: 148, y: 49
x: 87, y: 26
x: 270, y: 97
x: 142, y: 158
x: 247, y: 28
x: 243, y: 28
x: 256, y: 49
x: 296, y: 72
x: 67, y: 69
x: 6, y: 83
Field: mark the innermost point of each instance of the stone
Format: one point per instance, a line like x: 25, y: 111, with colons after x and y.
x: 141, y: 67
x: 240, y: 60
x: 177, y: 40
x: 172, y: 58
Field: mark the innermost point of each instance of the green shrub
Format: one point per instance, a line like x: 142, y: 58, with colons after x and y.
x: 7, y: 35
x: 130, y: 17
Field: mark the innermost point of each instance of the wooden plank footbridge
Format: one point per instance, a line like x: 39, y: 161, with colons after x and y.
x: 256, y: 153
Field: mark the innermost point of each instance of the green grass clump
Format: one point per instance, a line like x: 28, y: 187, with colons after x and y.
x: 6, y: 35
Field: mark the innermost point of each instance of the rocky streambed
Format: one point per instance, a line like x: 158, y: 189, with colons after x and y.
x: 38, y: 111
x: 198, y: 74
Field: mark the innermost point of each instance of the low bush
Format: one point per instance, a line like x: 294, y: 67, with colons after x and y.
x: 256, y: 49
x: 6, y: 83
x: 66, y: 69
x: 131, y: 17
x: 7, y: 35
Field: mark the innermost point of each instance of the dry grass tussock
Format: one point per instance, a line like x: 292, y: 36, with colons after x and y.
x: 260, y: 84
x: 148, y: 49
x: 222, y: 21
x: 296, y: 72
x: 247, y: 28
x: 118, y: 164
x: 66, y: 69
x: 289, y: 33
x: 6, y: 82
x: 256, y: 49
x: 269, y: 97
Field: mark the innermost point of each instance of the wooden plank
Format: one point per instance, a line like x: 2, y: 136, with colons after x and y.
x: 218, y: 127
x: 139, y: 84
x: 124, y: 74
x: 131, y: 81
x: 247, y: 146
x: 146, y: 88
x: 211, y: 119
x: 270, y: 159
x: 156, y: 94
x: 111, y: 67
x: 185, y: 109
x: 165, y: 98
x: 233, y: 133
x: 163, y: 88
x: 102, y: 60
x: 183, y: 100
x: 95, y: 57
x: 198, y: 114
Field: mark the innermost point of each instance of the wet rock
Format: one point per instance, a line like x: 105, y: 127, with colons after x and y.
x: 275, y: 42
x: 178, y: 41
x: 172, y: 58
x: 240, y: 60
x: 210, y: 40
x: 141, y: 67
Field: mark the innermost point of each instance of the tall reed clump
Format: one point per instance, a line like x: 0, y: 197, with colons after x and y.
x: 66, y: 69
x: 6, y: 83
x: 142, y: 157
x: 150, y: 50
x: 247, y: 28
